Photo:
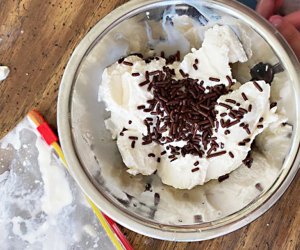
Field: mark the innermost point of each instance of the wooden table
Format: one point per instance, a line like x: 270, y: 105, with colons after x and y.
x: 38, y: 38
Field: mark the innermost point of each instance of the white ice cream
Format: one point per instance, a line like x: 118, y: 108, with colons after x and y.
x: 260, y: 109
x: 220, y: 47
x: 122, y: 94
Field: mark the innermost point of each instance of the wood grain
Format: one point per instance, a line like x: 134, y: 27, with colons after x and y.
x: 37, y: 40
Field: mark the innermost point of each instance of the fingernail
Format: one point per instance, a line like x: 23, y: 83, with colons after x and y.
x: 276, y: 20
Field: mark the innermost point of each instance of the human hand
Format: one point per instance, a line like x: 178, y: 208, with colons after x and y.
x: 287, y: 25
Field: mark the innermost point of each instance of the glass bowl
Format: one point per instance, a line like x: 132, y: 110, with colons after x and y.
x: 142, y: 203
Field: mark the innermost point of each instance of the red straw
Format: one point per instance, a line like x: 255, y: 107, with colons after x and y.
x: 118, y: 232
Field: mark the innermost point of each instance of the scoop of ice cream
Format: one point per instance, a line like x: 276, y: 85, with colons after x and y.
x: 129, y: 86
x: 122, y: 92
x: 220, y: 47
x: 242, y: 115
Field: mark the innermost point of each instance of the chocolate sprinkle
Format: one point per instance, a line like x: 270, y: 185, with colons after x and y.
x: 151, y: 155
x: 216, y: 154
x: 243, y: 110
x: 156, y: 199
x: 121, y: 60
x: 244, y: 96
x: 195, y: 169
x: 229, y: 81
x: 261, y: 119
x: 230, y: 101
x: 233, y: 123
x: 140, y: 107
x: 227, y: 132
x: 257, y: 86
x: 225, y: 105
x: 122, y: 132
x: 198, y: 218
x: 127, y: 63
x: 273, y: 104
x: 214, y: 79
x: 231, y: 154
x: 133, y: 137
x: 248, y: 161
x: 246, y: 127
x: 259, y: 187
x: 223, y: 177
x: 135, y: 74
x: 182, y: 73
x: 249, y: 107
x: 144, y: 83
x: 132, y: 144
x: 196, y: 163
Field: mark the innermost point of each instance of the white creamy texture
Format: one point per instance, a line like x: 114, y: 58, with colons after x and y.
x: 217, y: 199
x: 211, y: 168
x: 179, y: 173
x: 4, y: 72
x: 136, y: 158
x: 260, y: 109
x: 220, y: 47
x: 122, y: 94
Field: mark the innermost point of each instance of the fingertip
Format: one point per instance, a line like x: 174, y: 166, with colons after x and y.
x: 276, y: 20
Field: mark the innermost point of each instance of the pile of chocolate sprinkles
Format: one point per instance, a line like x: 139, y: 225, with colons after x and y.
x: 182, y: 112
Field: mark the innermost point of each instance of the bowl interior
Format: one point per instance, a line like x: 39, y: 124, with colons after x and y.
x: 145, y: 198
